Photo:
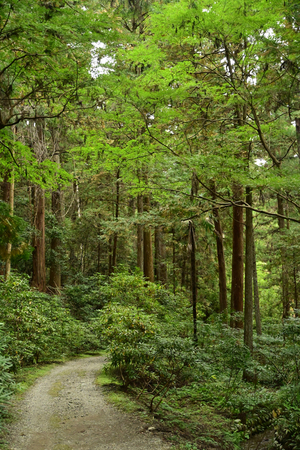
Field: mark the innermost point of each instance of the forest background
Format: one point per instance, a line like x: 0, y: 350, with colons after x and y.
x: 150, y: 203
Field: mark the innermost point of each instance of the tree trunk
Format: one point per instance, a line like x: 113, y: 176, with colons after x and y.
x: 38, y: 255
x: 256, y: 293
x: 297, y: 122
x: 248, y: 316
x: 11, y: 192
x: 296, y: 292
x: 140, y: 236
x: 237, y: 261
x: 174, y: 260
x: 114, y: 255
x: 160, y: 256
x: 221, y: 257
x: 284, y: 268
x: 192, y: 248
x: 55, y: 268
x: 148, y: 253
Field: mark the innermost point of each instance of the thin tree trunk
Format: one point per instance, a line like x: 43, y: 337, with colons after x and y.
x: 256, y: 293
x: 140, y: 235
x: 296, y: 292
x: 148, y: 253
x: 248, y: 316
x: 183, y: 271
x: 11, y: 211
x: 221, y: 257
x: 284, y: 269
x: 160, y: 256
x: 38, y: 255
x: 192, y: 247
x: 297, y: 122
x: 237, y: 261
x: 174, y: 260
x: 114, y: 255
x: 55, y: 269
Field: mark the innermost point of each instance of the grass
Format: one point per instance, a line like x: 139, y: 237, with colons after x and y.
x: 187, y: 424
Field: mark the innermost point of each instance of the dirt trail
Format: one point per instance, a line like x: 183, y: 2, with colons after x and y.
x: 65, y: 410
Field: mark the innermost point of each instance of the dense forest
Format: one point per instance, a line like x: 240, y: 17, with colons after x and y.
x: 150, y: 205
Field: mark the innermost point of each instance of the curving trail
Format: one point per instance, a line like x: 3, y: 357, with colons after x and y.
x: 65, y: 410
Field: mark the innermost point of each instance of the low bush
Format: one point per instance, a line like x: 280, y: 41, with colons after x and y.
x: 40, y: 327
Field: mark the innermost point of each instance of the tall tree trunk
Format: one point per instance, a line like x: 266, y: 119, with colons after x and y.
x: 221, y: 257
x: 284, y: 268
x: 192, y: 248
x: 160, y: 256
x: 296, y: 292
x: 140, y: 235
x: 114, y: 255
x: 256, y: 293
x: 148, y: 252
x: 297, y: 122
x: 237, y: 261
x: 110, y: 267
x: 248, y: 316
x: 55, y: 267
x: 174, y: 260
x: 11, y: 193
x: 38, y: 255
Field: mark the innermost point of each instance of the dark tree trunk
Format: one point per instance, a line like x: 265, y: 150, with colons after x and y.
x: 55, y: 269
x: 237, y: 261
x: 192, y: 247
x: 284, y: 268
x: 160, y: 256
x: 140, y: 236
x: 256, y: 293
x: 8, y: 197
x: 148, y: 252
x: 114, y: 255
x: 296, y: 292
x: 174, y: 260
x: 248, y: 317
x: 38, y: 256
x: 221, y: 257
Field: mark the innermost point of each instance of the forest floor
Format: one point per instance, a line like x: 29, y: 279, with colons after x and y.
x: 66, y: 410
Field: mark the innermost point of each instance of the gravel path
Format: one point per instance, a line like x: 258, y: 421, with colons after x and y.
x: 65, y: 410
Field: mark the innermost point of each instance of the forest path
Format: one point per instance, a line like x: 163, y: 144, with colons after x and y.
x: 66, y: 410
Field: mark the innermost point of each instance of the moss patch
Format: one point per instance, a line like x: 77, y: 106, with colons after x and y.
x: 56, y: 389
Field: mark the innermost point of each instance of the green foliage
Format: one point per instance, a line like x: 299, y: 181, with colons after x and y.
x: 40, y: 327
x: 6, y: 379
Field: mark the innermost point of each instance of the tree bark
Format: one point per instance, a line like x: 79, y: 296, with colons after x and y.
x: 192, y: 248
x: 140, y: 235
x: 115, y: 244
x: 237, y: 261
x: 256, y: 293
x: 248, y: 316
x: 55, y: 267
x: 221, y: 257
x: 160, y: 256
x: 11, y: 195
x: 148, y: 253
x: 39, y: 264
x: 284, y: 268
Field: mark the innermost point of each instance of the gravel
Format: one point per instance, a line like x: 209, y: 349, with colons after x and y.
x: 66, y: 410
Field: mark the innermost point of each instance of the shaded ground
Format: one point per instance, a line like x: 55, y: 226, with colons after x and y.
x: 65, y: 410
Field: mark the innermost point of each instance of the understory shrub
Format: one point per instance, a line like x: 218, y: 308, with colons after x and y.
x: 40, y: 327
x: 143, y: 354
x: 6, y: 380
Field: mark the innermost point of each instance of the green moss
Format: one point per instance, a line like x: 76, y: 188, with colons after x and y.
x: 56, y: 389
x: 55, y: 421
